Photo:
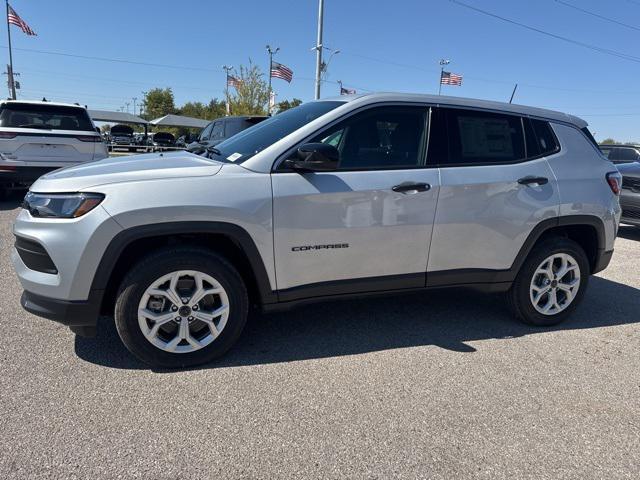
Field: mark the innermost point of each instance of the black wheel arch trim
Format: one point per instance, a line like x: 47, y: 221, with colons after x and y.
x: 563, y: 221
x: 234, y: 232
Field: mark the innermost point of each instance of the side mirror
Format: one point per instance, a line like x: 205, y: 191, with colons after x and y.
x: 315, y: 157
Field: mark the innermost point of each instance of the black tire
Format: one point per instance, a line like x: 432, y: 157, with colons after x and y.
x: 519, y: 295
x: 163, y: 262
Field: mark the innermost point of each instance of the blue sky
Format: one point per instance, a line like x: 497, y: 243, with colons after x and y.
x: 390, y: 46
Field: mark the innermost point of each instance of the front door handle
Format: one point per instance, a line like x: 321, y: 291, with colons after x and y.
x: 532, y: 179
x: 409, y: 187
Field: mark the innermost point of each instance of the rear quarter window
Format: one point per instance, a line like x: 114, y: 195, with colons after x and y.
x: 46, y: 117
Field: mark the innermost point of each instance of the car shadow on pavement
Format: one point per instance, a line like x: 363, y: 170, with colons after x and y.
x: 629, y: 232
x: 12, y: 200
x: 446, y: 319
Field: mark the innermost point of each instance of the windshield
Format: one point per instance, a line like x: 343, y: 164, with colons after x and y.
x: 247, y: 143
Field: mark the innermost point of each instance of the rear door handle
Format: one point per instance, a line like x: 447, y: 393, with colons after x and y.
x: 532, y: 179
x: 407, y: 187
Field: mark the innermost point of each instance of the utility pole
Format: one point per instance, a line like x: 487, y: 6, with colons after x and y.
x: 134, y: 104
x: 443, y: 62
x: 227, y: 69
x: 319, y: 49
x: 12, y: 85
x: 272, y: 52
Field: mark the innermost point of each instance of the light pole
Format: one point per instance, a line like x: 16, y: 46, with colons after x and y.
x: 272, y: 52
x: 127, y: 104
x: 443, y: 62
x: 134, y: 104
x: 227, y: 69
x: 319, y: 48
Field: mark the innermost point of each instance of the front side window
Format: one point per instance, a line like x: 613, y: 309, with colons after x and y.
x: 476, y: 137
x: 380, y: 138
x: 218, y: 131
x: 204, y: 135
x: 45, y: 117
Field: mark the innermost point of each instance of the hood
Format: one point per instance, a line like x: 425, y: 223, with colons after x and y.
x: 130, y: 168
x: 631, y: 169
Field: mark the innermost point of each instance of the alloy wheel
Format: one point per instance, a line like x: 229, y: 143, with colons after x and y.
x: 555, y: 284
x: 183, y: 311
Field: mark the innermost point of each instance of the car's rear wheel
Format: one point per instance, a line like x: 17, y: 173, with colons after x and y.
x: 551, y: 282
x: 181, y: 307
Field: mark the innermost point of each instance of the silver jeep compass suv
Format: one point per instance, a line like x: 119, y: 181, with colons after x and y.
x: 339, y: 197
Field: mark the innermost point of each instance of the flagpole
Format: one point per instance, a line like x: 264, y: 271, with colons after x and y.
x: 271, y: 53
x: 226, y: 89
x: 443, y: 62
x: 12, y: 85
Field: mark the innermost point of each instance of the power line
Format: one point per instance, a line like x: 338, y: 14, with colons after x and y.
x: 595, y: 48
x: 597, y: 15
x: 113, y: 60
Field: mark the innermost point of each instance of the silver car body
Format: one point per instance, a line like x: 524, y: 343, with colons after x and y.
x: 472, y: 219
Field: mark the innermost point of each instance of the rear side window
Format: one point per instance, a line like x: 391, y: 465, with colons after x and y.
x: 545, y: 138
x: 586, y: 131
x: 46, y: 117
x: 483, y: 137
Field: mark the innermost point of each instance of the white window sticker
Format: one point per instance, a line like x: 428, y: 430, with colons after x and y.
x: 234, y: 157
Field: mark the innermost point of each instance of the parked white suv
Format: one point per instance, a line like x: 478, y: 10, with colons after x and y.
x: 350, y: 196
x: 38, y: 137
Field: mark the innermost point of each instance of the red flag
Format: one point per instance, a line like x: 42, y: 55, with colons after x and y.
x: 14, y: 18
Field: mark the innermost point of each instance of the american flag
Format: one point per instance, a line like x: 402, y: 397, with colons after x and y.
x: 279, y: 70
x: 448, y: 78
x: 233, y: 81
x: 14, y: 18
x: 347, y: 91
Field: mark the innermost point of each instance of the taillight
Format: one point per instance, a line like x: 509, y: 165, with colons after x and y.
x: 89, y: 138
x: 8, y: 135
x: 614, y: 179
x: 7, y: 168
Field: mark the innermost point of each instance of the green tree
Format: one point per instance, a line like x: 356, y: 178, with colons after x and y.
x: 610, y: 141
x: 216, y: 109
x: 252, y: 93
x: 106, y: 128
x: 287, y: 104
x: 194, y: 109
x: 158, y: 102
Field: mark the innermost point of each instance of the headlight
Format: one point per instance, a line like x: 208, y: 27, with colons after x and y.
x: 61, y: 205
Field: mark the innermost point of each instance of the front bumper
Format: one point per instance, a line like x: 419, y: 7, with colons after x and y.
x: 80, y: 316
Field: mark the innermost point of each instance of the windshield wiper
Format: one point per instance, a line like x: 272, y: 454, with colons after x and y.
x: 214, y: 150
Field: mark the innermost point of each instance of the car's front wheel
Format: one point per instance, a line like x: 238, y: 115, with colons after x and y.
x: 181, y: 307
x: 551, y: 282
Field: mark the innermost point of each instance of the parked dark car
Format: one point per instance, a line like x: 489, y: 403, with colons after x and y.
x: 621, y: 153
x: 122, y: 135
x: 163, y: 139
x: 184, y: 140
x: 220, y: 129
x: 630, y: 193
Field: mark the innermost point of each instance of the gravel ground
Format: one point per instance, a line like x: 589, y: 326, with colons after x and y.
x: 437, y: 385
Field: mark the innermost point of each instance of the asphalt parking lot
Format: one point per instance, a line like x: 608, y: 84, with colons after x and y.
x: 444, y: 385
